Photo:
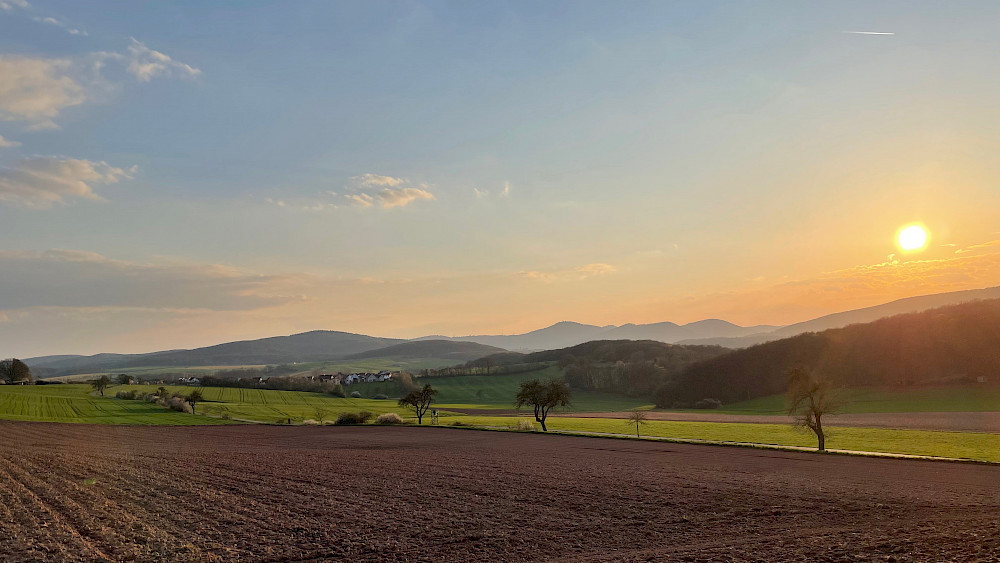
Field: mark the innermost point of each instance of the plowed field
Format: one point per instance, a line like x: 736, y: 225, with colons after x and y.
x: 252, y: 493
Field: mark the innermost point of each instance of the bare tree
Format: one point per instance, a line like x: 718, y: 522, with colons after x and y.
x: 13, y: 370
x: 101, y: 383
x: 419, y: 401
x: 321, y: 415
x: 636, y: 417
x: 543, y: 397
x: 810, y: 396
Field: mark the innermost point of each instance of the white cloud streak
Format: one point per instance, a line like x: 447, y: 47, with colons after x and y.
x: 36, y: 90
x: 9, y: 5
x: 41, y: 182
x: 367, y: 193
x: 7, y: 143
x: 60, y: 24
x: 145, y: 64
x: 869, y: 32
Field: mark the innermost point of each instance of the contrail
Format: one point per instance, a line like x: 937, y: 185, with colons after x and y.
x: 870, y: 32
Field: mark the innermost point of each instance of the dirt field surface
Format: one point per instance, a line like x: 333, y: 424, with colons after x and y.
x: 256, y: 493
x: 947, y: 421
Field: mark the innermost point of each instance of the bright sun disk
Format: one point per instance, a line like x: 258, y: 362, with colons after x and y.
x: 913, y: 237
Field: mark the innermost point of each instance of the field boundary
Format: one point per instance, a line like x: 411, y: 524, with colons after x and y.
x: 700, y: 442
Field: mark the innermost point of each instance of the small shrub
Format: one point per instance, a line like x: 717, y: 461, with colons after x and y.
x: 353, y: 417
x: 380, y: 397
x: 225, y: 416
x: 708, y: 404
x: 355, y: 394
x: 458, y: 423
x: 311, y: 422
x: 389, y: 418
x: 177, y: 404
x: 524, y: 425
x: 127, y: 395
x: 337, y: 391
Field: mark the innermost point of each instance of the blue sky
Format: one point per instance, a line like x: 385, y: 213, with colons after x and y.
x: 236, y: 170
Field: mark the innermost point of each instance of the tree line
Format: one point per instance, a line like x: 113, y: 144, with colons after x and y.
x: 957, y: 344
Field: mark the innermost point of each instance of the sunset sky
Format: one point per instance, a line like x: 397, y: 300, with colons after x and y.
x: 180, y: 174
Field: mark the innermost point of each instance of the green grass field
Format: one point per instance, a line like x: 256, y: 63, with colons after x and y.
x: 368, y: 365
x: 495, y: 392
x: 76, y: 403
x: 267, y: 405
x: 976, y: 446
x: 934, y: 399
x: 73, y: 403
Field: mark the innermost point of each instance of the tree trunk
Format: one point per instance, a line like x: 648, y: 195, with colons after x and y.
x: 544, y: 429
x: 820, y: 434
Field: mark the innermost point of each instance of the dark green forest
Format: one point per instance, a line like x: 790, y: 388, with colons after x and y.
x: 958, y: 344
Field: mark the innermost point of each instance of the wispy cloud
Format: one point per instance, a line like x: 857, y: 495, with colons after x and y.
x: 577, y: 273
x: 60, y: 24
x: 375, y: 180
x: 41, y: 182
x: 9, y: 5
x: 7, y: 143
x: 596, y: 269
x: 370, y: 190
x: 36, y: 90
x: 482, y: 193
x: 977, y: 247
x: 145, y: 63
x: 869, y: 32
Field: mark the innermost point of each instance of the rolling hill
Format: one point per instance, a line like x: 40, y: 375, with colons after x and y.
x: 316, y: 345
x: 444, y: 349
x: 956, y: 344
x: 566, y: 333
x: 865, y: 315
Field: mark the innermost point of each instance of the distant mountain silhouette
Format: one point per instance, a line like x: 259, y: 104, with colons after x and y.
x: 316, y: 345
x: 321, y: 345
x: 567, y: 333
x: 444, y: 349
x: 838, y: 320
x: 946, y: 345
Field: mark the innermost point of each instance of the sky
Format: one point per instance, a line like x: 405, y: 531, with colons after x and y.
x: 179, y: 174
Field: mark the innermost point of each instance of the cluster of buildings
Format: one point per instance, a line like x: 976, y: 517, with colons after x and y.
x: 350, y: 378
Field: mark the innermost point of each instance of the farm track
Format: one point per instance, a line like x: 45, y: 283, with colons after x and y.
x: 297, y: 494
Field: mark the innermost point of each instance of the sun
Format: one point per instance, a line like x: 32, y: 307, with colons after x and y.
x: 912, y: 237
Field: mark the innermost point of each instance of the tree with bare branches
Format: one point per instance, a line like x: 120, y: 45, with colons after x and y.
x: 636, y: 417
x: 810, y: 397
x: 419, y: 401
x: 543, y: 397
x: 13, y: 370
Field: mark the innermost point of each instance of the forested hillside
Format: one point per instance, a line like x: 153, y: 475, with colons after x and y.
x: 632, y: 367
x: 949, y: 345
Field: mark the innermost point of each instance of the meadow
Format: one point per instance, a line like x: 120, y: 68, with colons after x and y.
x: 857, y: 401
x: 497, y: 392
x: 74, y: 403
x: 78, y: 403
x: 960, y: 445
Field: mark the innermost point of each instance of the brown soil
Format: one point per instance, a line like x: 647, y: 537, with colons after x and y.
x: 252, y: 493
